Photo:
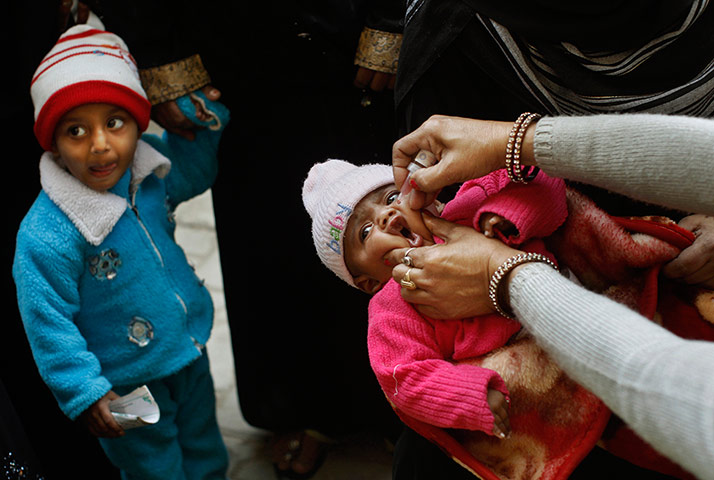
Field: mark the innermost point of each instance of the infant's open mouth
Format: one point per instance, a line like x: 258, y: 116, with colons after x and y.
x: 400, y: 227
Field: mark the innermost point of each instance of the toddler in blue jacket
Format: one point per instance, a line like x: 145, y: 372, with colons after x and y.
x: 108, y: 299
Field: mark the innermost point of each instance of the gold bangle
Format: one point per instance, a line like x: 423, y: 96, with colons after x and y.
x: 513, y: 149
x: 168, y: 82
x: 505, y: 269
x: 378, y: 50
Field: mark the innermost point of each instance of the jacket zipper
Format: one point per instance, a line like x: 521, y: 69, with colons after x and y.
x: 153, y: 244
x: 143, y: 227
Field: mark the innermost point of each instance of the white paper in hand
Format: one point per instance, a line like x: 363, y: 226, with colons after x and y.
x: 135, y: 409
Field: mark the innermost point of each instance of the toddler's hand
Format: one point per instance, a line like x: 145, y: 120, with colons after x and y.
x: 499, y: 407
x: 99, y: 420
x: 169, y: 116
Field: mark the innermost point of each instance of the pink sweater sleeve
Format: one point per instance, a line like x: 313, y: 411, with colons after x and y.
x: 413, y: 374
x: 537, y: 209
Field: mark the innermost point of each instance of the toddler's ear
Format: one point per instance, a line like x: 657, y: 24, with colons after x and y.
x: 368, y: 284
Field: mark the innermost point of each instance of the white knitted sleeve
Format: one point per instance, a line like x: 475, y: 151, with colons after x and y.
x: 659, y: 384
x: 667, y: 160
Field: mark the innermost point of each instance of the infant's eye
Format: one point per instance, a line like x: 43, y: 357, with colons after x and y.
x: 392, y: 197
x: 364, y: 232
x: 76, y: 131
x: 114, y: 123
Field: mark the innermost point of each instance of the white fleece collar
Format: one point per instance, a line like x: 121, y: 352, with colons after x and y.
x: 95, y: 213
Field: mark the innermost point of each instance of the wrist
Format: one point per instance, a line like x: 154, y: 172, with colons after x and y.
x: 169, y: 82
x: 518, y: 170
x: 498, y: 285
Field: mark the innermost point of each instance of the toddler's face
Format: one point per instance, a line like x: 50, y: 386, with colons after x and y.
x: 96, y: 143
x: 378, y: 225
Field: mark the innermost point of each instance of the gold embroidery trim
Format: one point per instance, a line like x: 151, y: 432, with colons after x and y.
x: 378, y: 50
x: 173, y: 80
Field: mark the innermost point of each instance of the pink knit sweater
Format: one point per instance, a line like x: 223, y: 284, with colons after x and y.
x: 412, y: 355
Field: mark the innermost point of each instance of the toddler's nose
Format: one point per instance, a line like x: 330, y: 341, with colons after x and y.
x: 99, y: 141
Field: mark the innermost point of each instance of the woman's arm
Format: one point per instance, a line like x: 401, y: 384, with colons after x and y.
x: 659, y: 384
x: 667, y: 160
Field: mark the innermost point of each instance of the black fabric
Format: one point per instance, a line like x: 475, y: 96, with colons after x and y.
x: 160, y: 31
x: 17, y: 457
x: 456, y: 85
x: 603, y: 25
x: 426, y: 36
x: 598, y: 26
x: 299, y: 333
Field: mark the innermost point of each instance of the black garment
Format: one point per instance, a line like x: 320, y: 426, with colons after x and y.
x: 17, y: 457
x: 299, y: 333
x: 544, y: 26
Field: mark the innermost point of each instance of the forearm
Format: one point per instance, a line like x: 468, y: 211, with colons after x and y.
x: 442, y: 394
x: 660, y: 159
x: 194, y: 163
x: 659, y: 384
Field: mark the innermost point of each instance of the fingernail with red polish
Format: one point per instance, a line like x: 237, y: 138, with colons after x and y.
x: 413, y: 184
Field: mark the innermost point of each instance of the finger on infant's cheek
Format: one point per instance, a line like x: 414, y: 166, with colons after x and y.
x: 394, y: 257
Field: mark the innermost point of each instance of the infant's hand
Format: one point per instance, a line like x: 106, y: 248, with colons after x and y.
x: 695, y: 264
x: 498, y: 404
x: 99, y: 420
x: 489, y: 223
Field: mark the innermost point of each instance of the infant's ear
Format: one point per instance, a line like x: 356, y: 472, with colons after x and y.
x: 368, y: 284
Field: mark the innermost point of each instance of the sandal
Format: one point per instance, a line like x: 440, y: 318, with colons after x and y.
x: 298, y: 456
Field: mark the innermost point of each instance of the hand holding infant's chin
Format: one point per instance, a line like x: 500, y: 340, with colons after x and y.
x: 452, y: 278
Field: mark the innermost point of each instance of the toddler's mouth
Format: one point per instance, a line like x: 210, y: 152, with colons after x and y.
x: 399, y: 226
x: 102, y: 170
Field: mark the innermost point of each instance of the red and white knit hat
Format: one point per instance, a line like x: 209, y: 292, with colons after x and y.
x: 86, y: 65
x: 330, y: 193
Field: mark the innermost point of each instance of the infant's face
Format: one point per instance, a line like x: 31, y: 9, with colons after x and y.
x: 96, y: 143
x: 379, y: 224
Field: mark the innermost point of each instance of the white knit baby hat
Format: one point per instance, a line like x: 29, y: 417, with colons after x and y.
x: 330, y: 193
x: 86, y: 65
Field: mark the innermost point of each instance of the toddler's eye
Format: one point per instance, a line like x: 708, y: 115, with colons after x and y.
x: 76, y: 131
x: 392, y: 197
x: 364, y: 232
x: 115, y: 123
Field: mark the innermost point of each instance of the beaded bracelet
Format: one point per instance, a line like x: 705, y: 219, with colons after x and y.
x: 505, y: 269
x: 513, y: 149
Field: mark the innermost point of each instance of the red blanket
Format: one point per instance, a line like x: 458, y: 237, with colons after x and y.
x: 555, y: 422
x: 621, y: 258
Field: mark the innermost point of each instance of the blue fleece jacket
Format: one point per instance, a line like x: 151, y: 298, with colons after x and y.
x: 106, y: 295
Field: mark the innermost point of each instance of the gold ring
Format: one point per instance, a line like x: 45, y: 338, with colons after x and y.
x: 407, y: 282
